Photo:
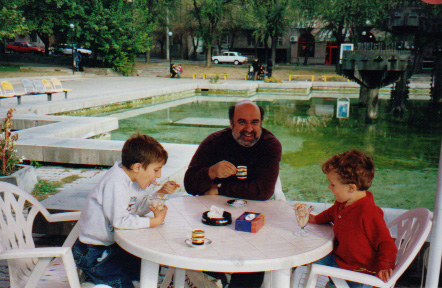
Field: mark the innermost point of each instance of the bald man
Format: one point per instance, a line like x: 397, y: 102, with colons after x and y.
x: 213, y: 169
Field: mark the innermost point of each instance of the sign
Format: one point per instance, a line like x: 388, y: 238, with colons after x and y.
x: 343, y: 108
x: 345, y: 47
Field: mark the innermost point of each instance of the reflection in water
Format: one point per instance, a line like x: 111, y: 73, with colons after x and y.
x: 405, y: 150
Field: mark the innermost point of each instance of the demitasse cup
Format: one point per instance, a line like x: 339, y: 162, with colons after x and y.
x: 198, y: 237
x: 241, y: 172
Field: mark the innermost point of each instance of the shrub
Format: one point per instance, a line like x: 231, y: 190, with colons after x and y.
x: 8, y: 154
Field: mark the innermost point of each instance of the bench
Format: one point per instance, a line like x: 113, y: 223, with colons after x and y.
x: 219, y: 74
x: 45, y: 87
x: 7, y: 91
x: 312, y: 77
x: 334, y: 76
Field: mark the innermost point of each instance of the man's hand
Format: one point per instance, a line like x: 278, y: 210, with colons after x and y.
x: 385, y: 274
x: 213, y: 190
x: 169, y: 187
x: 222, y: 169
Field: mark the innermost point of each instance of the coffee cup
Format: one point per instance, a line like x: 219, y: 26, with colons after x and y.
x: 198, y: 237
x: 241, y: 172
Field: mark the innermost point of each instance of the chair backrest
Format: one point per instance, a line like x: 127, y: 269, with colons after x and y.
x: 56, y: 83
x: 39, y: 87
x: 413, y: 228
x: 18, y: 210
x: 47, y: 84
x: 28, y: 86
x: 7, y: 88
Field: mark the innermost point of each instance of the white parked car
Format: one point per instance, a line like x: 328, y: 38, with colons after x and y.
x: 229, y: 57
x: 66, y: 49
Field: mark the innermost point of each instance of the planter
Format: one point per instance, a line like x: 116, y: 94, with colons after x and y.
x: 25, y: 178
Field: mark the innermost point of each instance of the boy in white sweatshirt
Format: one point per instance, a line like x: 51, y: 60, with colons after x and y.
x: 112, y: 204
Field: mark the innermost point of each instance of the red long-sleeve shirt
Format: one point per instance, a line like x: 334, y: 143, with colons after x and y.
x: 362, y: 240
x: 262, y: 161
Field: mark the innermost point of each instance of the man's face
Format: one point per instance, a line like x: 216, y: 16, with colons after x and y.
x: 246, y: 124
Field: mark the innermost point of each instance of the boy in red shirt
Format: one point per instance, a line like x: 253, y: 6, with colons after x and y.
x: 362, y: 241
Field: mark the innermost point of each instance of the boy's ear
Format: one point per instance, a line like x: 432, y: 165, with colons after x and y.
x: 136, y: 167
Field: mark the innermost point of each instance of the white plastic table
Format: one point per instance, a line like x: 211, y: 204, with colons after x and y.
x: 274, y: 248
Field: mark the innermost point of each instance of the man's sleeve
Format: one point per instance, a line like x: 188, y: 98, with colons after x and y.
x: 196, y: 179
x: 263, y: 186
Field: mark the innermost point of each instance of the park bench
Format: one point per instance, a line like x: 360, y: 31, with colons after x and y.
x: 8, y: 91
x: 224, y: 75
x: 312, y: 77
x: 45, y: 87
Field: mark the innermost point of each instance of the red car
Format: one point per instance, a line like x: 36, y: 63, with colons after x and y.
x: 24, y: 47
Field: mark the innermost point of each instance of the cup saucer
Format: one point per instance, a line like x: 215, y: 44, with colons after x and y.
x: 206, y: 242
x: 237, y: 202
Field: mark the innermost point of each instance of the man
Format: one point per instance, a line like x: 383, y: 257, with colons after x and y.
x: 77, y: 60
x: 213, y: 168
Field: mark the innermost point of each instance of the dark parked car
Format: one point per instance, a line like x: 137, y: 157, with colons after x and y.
x: 24, y: 47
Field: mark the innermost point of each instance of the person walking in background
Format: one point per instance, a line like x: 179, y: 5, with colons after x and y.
x: 250, y: 74
x: 77, y: 60
x: 255, y: 66
x: 269, y: 68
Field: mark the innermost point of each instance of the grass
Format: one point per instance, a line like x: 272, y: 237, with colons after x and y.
x: 44, y: 188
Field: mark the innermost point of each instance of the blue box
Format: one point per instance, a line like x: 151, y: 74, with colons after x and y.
x: 253, y: 226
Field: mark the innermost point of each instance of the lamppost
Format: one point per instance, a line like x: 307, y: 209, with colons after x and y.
x: 170, y: 51
x: 72, y: 26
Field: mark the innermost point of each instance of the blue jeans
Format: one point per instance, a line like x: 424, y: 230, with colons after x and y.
x: 330, y: 260
x: 108, y: 265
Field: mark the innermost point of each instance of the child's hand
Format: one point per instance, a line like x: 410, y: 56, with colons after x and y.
x: 169, y: 187
x: 159, y: 216
x: 385, y: 274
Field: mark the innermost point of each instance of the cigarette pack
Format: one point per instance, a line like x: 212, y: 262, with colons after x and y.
x: 250, y: 222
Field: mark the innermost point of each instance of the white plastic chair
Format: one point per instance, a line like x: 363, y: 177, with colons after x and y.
x: 278, y: 194
x: 29, y: 266
x: 412, y: 229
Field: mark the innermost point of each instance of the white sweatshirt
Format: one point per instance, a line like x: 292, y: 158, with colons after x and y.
x: 109, y: 205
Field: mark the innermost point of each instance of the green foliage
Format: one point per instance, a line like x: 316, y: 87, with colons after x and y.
x: 45, y: 187
x: 35, y: 164
x: 214, y: 80
x: 11, y: 20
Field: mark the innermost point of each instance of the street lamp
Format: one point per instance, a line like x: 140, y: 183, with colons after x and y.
x: 72, y: 26
x: 170, y: 45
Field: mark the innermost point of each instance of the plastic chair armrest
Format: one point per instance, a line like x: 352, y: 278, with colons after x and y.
x: 66, y: 216
x: 46, y: 252
x: 347, y: 275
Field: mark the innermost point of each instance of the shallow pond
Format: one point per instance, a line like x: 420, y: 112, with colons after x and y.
x: 405, y: 150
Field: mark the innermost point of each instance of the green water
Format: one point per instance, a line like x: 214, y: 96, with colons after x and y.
x: 405, y: 150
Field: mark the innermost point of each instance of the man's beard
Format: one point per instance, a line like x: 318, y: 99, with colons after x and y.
x: 245, y: 143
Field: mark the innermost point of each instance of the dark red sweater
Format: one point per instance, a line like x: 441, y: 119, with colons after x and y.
x: 362, y: 240
x: 262, y: 161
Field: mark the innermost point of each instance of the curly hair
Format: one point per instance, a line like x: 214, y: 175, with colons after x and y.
x: 352, y: 167
x: 142, y: 149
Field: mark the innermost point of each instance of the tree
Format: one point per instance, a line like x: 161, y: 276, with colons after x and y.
x: 271, y: 18
x: 118, y: 29
x: 46, y: 17
x: 12, y: 21
x: 208, y: 14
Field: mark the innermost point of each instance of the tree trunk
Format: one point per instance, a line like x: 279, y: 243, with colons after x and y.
x: 209, y: 56
x: 147, y: 57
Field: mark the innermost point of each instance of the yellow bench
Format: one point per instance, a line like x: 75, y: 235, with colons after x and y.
x: 334, y: 76
x: 220, y: 75
x: 308, y: 76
